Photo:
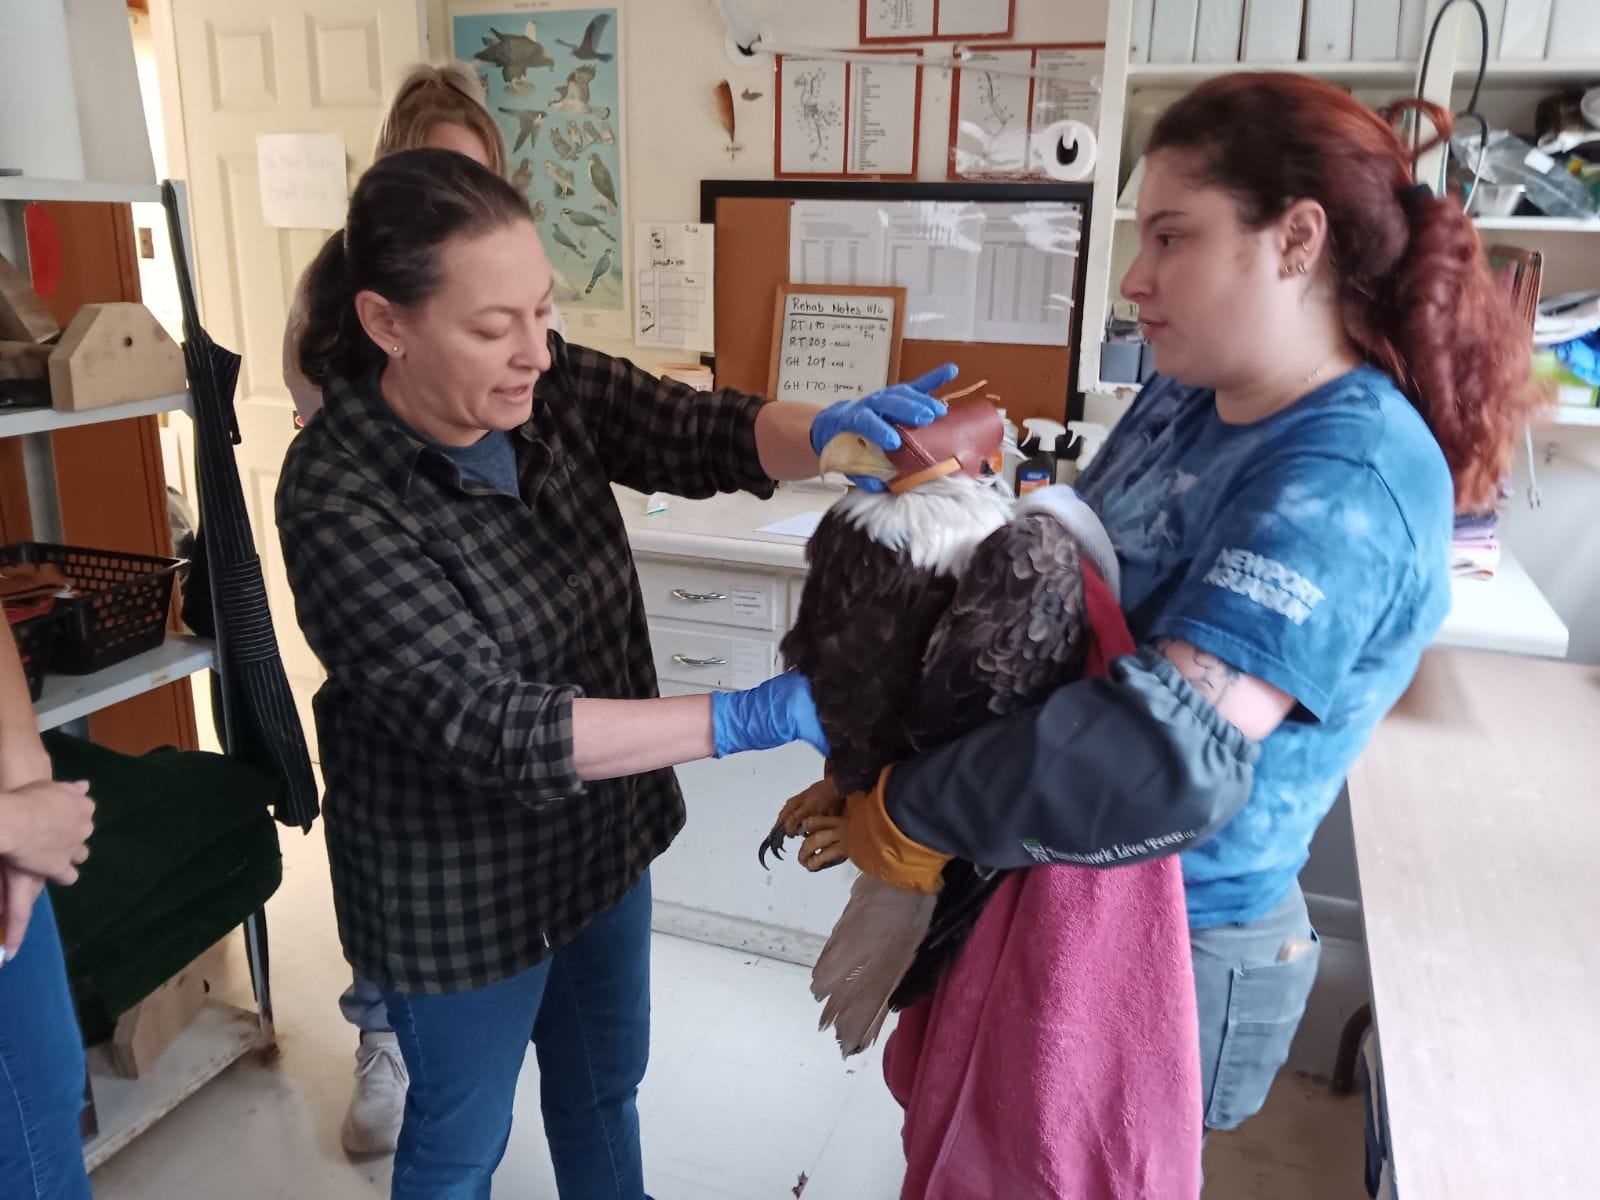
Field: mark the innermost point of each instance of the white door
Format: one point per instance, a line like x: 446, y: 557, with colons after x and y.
x: 244, y: 67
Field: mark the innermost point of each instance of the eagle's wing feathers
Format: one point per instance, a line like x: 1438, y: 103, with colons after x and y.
x: 864, y: 620
x: 1013, y: 634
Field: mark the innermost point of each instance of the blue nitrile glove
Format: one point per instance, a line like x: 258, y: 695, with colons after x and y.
x: 871, y: 416
x: 773, y: 714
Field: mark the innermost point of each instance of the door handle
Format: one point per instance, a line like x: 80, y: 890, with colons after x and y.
x: 698, y: 597
x: 685, y: 660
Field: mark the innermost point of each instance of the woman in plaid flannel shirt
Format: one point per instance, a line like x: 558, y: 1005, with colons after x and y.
x: 496, y: 755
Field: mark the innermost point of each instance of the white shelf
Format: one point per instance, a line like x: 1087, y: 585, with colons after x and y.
x: 17, y: 421
x: 218, y: 1037
x: 1502, y: 71
x: 27, y: 187
x: 1123, y: 213
x: 1529, y: 71
x: 1570, y: 414
x: 1341, y: 72
x: 1105, y: 388
x: 1538, y: 224
x: 68, y: 697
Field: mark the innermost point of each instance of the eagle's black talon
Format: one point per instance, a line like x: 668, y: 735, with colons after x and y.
x: 773, y: 845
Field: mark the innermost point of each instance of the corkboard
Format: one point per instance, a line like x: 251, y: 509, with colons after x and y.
x: 752, y: 259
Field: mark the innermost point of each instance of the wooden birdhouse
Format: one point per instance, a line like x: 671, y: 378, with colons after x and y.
x: 114, y: 354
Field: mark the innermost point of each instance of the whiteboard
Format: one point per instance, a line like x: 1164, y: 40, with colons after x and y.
x: 835, y: 344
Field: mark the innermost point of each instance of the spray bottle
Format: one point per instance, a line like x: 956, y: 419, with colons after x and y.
x: 1039, y: 468
x: 1090, y: 436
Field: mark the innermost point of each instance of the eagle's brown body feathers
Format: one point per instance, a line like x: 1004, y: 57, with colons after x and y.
x: 906, y: 649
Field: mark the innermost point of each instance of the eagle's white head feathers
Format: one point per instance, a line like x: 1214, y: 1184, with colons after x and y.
x: 937, y: 525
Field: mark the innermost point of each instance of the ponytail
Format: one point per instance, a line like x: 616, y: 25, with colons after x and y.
x: 332, y: 341
x: 1462, y: 355
x: 1414, y: 286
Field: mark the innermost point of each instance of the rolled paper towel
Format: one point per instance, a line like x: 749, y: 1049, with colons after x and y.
x: 695, y: 375
x: 1065, y: 151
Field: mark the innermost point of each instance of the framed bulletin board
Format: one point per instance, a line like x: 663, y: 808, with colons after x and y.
x: 992, y: 275
x: 834, y: 342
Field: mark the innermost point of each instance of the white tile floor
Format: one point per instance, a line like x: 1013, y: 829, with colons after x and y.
x: 742, y: 1096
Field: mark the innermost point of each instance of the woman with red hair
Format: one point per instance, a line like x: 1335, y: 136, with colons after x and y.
x: 1339, y: 374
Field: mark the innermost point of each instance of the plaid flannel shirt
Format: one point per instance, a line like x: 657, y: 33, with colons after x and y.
x: 457, y: 625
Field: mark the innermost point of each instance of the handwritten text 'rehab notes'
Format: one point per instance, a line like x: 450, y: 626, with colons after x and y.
x: 834, y: 347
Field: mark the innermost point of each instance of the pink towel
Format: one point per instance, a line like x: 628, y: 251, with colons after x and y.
x: 1060, y: 1057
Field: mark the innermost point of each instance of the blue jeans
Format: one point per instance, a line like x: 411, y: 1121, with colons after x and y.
x: 41, y: 1071
x: 587, y: 1011
x: 362, y: 1005
x: 1252, y: 981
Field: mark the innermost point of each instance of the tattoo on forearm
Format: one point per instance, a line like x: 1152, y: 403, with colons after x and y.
x: 1211, y: 676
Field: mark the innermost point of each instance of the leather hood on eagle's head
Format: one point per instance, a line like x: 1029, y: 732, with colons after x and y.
x: 964, y: 439
x: 958, y: 443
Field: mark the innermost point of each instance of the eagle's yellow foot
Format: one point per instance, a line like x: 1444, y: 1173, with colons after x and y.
x: 820, y: 800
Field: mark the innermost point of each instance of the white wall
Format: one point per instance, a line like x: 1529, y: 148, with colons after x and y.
x: 674, y: 58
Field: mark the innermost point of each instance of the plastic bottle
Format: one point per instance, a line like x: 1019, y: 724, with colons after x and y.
x: 1039, y: 468
x: 1094, y: 435
x: 1068, y: 447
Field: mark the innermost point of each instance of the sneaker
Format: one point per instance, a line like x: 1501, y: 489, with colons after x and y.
x: 372, y: 1125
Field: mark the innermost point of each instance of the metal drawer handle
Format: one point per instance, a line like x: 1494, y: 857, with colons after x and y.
x: 686, y: 661
x: 698, y: 597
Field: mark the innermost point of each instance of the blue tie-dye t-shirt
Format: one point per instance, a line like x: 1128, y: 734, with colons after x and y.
x: 1310, y: 550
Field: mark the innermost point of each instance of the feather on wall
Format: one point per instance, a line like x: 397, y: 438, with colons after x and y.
x: 725, y: 113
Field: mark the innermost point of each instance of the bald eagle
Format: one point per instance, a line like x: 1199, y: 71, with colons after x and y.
x: 929, y: 609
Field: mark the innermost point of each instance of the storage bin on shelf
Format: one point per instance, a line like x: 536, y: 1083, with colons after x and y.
x: 113, y: 606
x: 34, y: 627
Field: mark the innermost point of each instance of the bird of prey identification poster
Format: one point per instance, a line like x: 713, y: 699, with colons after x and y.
x: 552, y: 71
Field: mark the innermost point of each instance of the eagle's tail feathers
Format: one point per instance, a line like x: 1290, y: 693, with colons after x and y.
x: 871, y: 946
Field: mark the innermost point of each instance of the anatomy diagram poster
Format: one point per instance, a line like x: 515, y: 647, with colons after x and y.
x: 553, y: 74
x: 847, y: 119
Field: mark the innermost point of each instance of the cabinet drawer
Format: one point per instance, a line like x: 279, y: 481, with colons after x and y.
x: 712, y: 660
x: 714, y: 595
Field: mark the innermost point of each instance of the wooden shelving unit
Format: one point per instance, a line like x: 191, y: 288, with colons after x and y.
x: 221, y: 1034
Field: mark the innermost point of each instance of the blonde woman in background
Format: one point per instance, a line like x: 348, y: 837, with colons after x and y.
x: 440, y: 108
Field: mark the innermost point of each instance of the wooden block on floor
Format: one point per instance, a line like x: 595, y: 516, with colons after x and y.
x: 113, y: 354
x: 149, y: 1027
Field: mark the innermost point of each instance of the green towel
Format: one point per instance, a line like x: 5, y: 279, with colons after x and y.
x: 184, y: 848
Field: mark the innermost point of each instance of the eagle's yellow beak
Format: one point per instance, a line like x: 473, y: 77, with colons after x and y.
x: 852, y: 454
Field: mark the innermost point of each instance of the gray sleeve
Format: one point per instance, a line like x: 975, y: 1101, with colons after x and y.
x: 1107, y: 771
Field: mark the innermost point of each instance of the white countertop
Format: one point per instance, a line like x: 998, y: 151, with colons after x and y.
x: 723, y: 528
x: 1475, y: 826
x: 1507, y: 613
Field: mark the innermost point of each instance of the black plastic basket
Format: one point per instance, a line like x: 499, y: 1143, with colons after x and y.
x: 120, y: 611
x: 36, y: 641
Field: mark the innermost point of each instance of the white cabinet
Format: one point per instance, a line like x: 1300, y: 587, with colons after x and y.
x: 716, y: 625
